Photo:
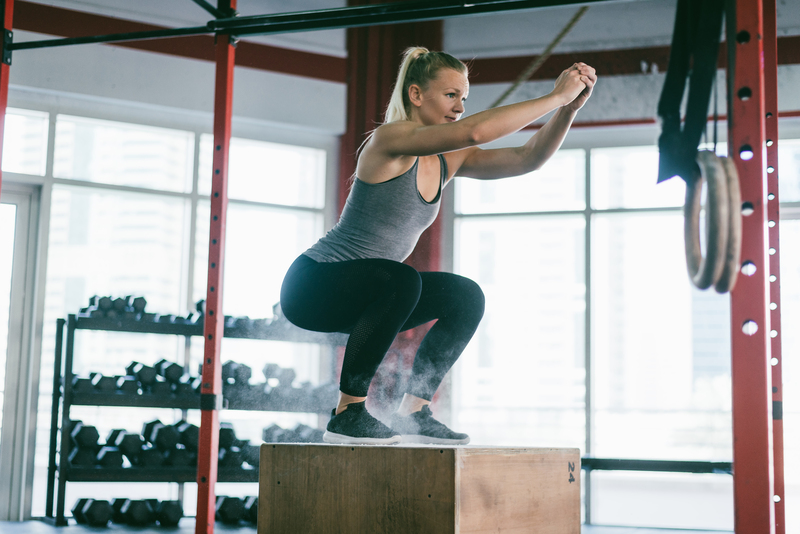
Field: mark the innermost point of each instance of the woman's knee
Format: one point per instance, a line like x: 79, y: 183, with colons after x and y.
x: 473, y: 299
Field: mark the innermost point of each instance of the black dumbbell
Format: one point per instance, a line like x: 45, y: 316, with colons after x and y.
x: 201, y: 306
x: 150, y: 456
x: 139, y: 304
x: 271, y: 370
x: 104, y: 383
x: 138, y: 513
x: 286, y: 377
x: 250, y: 454
x: 169, y: 513
x: 85, y: 436
x: 180, y: 456
x: 121, y: 304
x: 251, y: 509
x: 95, y: 513
x: 227, y: 436
x: 116, y: 515
x: 145, y: 374
x: 271, y: 433
x: 148, y: 427
x: 306, y: 434
x: 77, y: 511
x: 109, y: 457
x: 111, y: 439
x: 127, y: 384
x: 230, y: 457
x: 82, y: 457
x: 164, y: 437
x: 160, y: 387
x: 104, y: 303
x: 171, y: 371
x: 130, y: 445
x: 81, y: 384
x: 188, y: 386
x: 189, y: 434
x: 230, y: 510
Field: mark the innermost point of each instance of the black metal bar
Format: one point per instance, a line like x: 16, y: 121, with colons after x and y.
x: 324, y: 19
x: 63, y: 461
x: 216, y: 13
x: 51, y: 467
x: 669, y: 466
x: 379, y: 14
x: 112, y: 38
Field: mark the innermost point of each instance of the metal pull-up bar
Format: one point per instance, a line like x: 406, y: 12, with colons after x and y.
x: 322, y: 19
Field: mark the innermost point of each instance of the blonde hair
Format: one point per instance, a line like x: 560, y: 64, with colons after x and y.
x: 419, y: 66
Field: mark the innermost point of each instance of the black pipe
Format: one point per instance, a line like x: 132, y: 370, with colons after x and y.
x: 112, y: 38
x: 378, y: 14
x: 668, y: 466
x: 322, y: 19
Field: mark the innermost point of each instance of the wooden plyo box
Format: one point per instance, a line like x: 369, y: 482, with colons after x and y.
x: 342, y: 489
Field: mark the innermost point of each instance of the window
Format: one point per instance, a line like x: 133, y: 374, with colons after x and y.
x: 123, y: 154
x: 659, y: 348
x: 135, y: 240
x: 25, y: 142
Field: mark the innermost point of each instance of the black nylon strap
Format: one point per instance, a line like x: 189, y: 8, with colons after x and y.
x: 695, y: 45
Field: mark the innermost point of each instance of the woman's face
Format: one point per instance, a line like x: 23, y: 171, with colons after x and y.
x: 443, y: 100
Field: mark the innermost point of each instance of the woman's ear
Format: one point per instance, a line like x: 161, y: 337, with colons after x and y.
x: 415, y: 95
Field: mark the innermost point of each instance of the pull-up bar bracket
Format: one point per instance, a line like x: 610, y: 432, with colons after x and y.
x: 8, y: 38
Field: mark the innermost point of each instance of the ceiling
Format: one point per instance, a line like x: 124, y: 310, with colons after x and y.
x: 606, y: 26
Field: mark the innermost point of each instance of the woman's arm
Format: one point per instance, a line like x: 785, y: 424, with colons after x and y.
x: 407, y: 138
x: 505, y: 162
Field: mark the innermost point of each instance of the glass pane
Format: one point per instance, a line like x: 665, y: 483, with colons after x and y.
x: 663, y: 500
x: 123, y: 154
x: 626, y: 178
x: 661, y: 348
x: 25, y: 142
x: 559, y: 185
x: 790, y: 349
x: 261, y: 244
x: 789, y: 170
x: 110, y: 243
x: 8, y: 224
x: 521, y: 379
x: 268, y: 172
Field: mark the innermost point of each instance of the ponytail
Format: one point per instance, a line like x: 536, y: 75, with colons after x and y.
x: 419, y: 66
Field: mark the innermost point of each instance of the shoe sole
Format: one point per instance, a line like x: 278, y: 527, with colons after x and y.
x: 427, y: 440
x: 341, y: 439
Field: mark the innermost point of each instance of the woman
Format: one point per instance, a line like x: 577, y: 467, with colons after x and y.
x: 353, y: 279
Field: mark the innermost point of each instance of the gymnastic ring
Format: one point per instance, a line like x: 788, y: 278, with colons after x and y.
x: 727, y: 279
x: 704, y: 271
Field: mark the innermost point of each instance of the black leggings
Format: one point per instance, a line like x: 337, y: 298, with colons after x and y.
x: 373, y: 300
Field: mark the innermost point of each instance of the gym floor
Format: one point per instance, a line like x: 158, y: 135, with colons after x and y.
x: 187, y: 527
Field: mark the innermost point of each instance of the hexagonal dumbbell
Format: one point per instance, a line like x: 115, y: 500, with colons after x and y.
x: 251, y: 509
x: 138, y: 513
x: 230, y: 510
x: 95, y: 513
x: 169, y: 513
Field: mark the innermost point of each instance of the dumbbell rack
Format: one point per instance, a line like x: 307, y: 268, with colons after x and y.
x: 64, y: 398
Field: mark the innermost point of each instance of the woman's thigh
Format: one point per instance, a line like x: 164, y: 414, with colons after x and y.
x: 332, y: 297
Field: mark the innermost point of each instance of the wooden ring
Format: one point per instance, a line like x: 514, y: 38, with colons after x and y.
x: 705, y: 270
x: 727, y: 279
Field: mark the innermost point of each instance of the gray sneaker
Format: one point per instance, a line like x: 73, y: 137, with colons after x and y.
x: 421, y: 427
x: 356, y: 426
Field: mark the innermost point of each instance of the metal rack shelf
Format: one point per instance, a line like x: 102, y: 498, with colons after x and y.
x: 235, y: 398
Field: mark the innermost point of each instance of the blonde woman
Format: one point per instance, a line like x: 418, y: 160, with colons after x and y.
x: 353, y: 279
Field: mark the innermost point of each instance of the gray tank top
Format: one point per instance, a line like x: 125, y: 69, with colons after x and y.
x: 381, y: 220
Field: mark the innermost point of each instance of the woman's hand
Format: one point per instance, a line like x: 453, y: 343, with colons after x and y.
x: 569, y: 84
x: 587, y: 76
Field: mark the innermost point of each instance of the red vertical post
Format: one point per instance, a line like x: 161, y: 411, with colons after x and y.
x: 750, y: 321
x: 5, y: 67
x: 211, y: 391
x: 773, y: 217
